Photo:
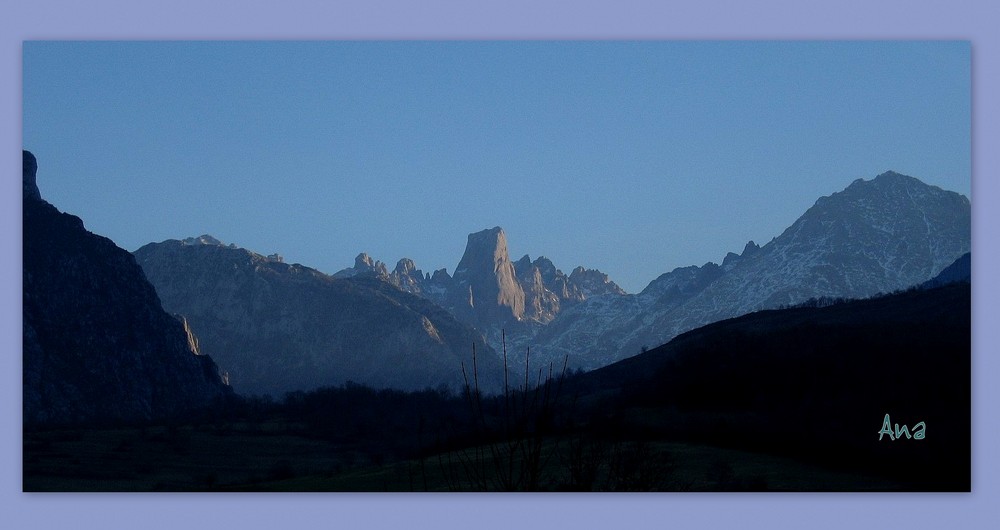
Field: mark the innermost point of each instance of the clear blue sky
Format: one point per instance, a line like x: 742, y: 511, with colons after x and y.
x: 630, y: 157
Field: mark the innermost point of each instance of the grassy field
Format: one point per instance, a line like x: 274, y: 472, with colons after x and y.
x: 177, y: 458
x: 691, y: 468
x: 280, y: 456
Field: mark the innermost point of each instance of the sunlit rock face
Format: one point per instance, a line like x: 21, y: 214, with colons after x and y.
x: 490, y: 291
x: 279, y: 327
x: 508, y: 302
x: 486, y: 289
x: 98, y: 347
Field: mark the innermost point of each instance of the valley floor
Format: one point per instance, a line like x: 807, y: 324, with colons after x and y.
x: 280, y: 456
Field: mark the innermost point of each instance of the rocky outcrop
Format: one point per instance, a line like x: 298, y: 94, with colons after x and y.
x: 548, y: 291
x: 29, y: 167
x: 540, y: 302
x: 486, y: 290
x: 280, y: 327
x: 98, y: 347
x: 732, y: 258
x: 405, y: 276
x: 592, y: 282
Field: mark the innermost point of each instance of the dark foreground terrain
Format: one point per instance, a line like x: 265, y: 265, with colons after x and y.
x: 278, y: 456
x: 778, y: 400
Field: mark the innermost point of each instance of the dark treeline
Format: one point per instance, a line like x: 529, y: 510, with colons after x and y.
x: 397, y: 423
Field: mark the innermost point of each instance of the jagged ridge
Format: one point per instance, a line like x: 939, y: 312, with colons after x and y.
x: 281, y: 327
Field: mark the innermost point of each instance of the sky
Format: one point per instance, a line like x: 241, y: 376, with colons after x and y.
x: 632, y: 157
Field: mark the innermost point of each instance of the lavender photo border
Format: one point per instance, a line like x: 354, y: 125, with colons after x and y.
x: 258, y: 19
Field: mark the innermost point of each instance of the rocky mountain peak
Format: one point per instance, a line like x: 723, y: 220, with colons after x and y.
x: 441, y: 276
x: 892, y: 176
x: 365, y: 265
x: 751, y: 249
x: 405, y: 267
x: 488, y: 285
x: 593, y: 282
x: 203, y: 239
x: 487, y: 248
x: 364, y: 262
x: 890, y: 184
x: 878, y: 235
x: 29, y: 166
x: 730, y: 260
x: 899, y: 229
x: 488, y: 290
x: 546, y: 268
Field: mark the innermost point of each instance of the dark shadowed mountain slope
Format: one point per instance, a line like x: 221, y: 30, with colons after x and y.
x: 98, y: 347
x: 815, y: 383
x: 959, y: 271
x: 279, y: 327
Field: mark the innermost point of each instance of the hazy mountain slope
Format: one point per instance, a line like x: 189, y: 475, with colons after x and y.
x: 875, y: 236
x: 98, y: 347
x: 278, y: 327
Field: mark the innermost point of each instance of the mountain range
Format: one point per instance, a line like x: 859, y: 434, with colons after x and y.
x: 277, y: 327
x: 488, y: 288
x: 875, y: 236
x: 491, y: 292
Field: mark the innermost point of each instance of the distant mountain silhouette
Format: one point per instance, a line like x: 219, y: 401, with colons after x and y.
x: 98, y: 347
x: 280, y: 327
